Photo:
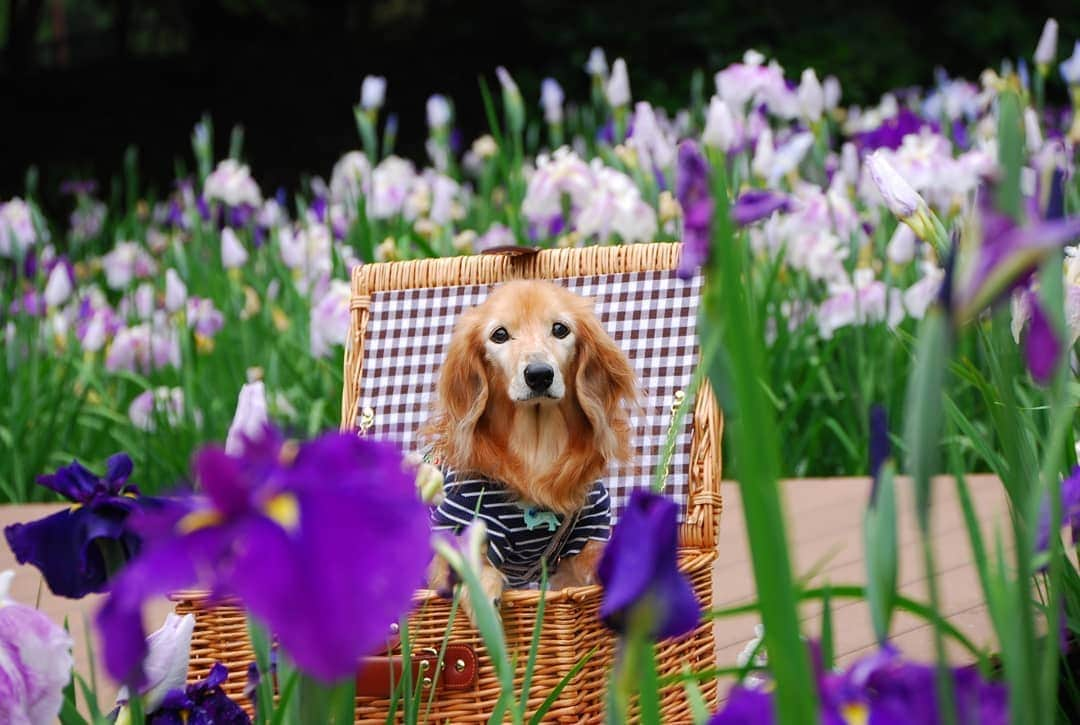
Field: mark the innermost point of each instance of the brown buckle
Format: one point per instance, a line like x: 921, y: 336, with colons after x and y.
x: 511, y: 250
x: 457, y: 671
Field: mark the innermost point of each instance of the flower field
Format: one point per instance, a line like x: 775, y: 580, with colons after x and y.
x: 889, y: 289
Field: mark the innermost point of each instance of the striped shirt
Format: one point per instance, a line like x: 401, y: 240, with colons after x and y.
x: 518, y: 535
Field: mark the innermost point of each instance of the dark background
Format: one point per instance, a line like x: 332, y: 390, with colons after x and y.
x: 80, y: 80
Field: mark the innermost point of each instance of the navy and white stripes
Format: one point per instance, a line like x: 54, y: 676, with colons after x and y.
x: 513, y: 547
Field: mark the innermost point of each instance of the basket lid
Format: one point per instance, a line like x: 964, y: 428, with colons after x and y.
x: 651, y: 315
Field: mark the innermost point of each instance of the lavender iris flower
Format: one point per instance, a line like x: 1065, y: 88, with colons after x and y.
x: 890, y: 134
x: 640, y: 572
x: 695, y: 197
x: 1007, y: 258
x: 201, y: 703
x: 324, y: 543
x: 69, y: 546
x: 757, y: 204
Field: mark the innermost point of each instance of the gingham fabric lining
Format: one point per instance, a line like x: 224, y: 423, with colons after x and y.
x: 651, y: 316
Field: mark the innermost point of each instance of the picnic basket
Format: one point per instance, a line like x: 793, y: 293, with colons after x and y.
x: 402, y: 316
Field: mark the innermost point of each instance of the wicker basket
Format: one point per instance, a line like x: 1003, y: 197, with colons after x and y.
x: 571, y: 627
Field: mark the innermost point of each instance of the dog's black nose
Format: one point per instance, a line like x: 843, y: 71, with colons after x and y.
x: 539, y: 376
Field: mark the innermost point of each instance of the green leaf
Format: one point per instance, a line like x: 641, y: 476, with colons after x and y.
x: 1010, y: 146
x: 879, y: 537
x: 755, y: 437
x: 264, y: 692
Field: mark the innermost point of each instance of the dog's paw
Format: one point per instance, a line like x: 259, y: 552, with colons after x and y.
x: 491, y: 585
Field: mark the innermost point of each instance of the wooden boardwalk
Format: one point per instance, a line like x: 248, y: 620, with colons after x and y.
x: 825, y: 530
x: 825, y: 538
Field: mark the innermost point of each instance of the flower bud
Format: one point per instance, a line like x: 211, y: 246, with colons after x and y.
x: 618, y: 86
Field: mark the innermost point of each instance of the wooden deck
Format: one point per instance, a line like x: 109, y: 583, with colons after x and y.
x: 825, y: 533
x: 825, y: 536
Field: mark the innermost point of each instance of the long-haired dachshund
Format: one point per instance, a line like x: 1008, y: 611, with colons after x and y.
x: 531, y: 409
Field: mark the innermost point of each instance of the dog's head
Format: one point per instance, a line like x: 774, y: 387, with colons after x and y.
x: 531, y: 344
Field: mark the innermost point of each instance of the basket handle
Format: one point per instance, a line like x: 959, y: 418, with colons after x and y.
x: 457, y: 671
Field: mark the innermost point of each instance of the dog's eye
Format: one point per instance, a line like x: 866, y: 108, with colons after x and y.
x: 560, y: 330
x: 499, y: 335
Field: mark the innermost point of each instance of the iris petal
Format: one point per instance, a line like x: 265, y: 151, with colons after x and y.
x: 61, y: 547
x: 1042, y: 347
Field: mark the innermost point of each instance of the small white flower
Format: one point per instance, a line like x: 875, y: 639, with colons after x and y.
x: 166, y: 663
x: 1032, y: 131
x: 438, y: 111
x: 720, y: 131
x: 164, y: 402
x: 832, y: 92
x: 789, y: 156
x: 350, y: 178
x: 372, y: 92
x: 175, y: 291
x: 901, y: 247
x: 59, y: 288
x: 250, y: 417
x: 811, y: 96
x: 1070, y: 69
x: 902, y: 200
x: 506, y: 80
x: 330, y: 319
x: 1046, y: 50
x: 917, y: 297
x: 231, y: 183
x: 233, y: 254
x: 143, y: 300
x: 551, y: 100
x: 597, y: 63
x: 618, y: 85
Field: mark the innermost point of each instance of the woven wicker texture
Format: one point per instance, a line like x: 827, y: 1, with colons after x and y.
x: 570, y: 626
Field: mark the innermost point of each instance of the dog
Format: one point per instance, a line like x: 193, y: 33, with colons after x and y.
x: 533, y: 404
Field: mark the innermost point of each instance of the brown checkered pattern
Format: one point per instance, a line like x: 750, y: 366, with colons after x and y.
x: 652, y: 316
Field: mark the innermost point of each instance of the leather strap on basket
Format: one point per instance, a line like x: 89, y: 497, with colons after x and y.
x: 457, y: 671
x: 554, y: 545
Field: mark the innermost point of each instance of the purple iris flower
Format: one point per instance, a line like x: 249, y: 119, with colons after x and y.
x: 960, y: 135
x: 30, y: 263
x: 1070, y: 512
x: 201, y: 703
x: 1005, y: 260
x: 32, y: 304
x: 746, y: 707
x: 318, y: 208
x: 203, y: 207
x: 238, y: 216
x: 323, y: 542
x: 890, y: 134
x: 884, y: 689
x: 757, y: 204
x: 890, y: 690
x: 69, y: 546
x: 695, y: 197
x: 639, y: 569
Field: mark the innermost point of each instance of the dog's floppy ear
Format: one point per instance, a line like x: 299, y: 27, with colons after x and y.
x: 605, y: 385
x: 462, y: 391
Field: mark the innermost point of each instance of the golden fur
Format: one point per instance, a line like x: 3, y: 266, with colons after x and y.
x: 548, y: 451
